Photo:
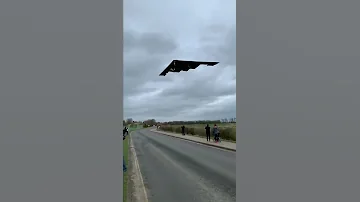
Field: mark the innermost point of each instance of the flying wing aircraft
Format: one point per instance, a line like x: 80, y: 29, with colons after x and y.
x: 184, y: 65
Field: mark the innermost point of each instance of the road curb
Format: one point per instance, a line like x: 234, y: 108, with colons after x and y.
x: 137, y: 191
x: 203, y: 143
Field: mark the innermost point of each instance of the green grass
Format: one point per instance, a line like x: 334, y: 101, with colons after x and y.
x: 227, y: 130
x: 126, y: 148
x: 125, y: 175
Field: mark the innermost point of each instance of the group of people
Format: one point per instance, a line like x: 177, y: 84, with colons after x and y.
x: 215, y: 131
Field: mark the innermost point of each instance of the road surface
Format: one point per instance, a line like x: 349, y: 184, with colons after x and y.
x: 177, y: 170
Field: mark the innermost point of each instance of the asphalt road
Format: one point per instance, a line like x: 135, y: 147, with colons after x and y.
x: 176, y: 170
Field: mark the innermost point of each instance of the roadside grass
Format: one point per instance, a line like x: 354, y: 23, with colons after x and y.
x: 125, y: 175
x: 126, y: 148
x: 227, y: 130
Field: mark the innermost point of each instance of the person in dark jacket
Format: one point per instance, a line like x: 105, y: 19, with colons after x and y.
x: 125, y: 131
x: 207, y: 130
x: 124, y: 165
x: 183, y: 130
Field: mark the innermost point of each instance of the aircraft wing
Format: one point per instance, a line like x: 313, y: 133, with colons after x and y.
x: 184, y: 65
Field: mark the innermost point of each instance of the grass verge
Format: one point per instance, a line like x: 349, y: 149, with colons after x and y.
x: 126, y: 148
x: 125, y: 175
x: 227, y: 130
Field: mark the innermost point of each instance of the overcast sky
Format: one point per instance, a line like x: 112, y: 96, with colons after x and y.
x: 158, y: 31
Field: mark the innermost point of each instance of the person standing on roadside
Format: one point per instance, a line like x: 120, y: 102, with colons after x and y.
x: 183, y: 130
x: 216, y: 133
x: 207, y: 130
x: 124, y: 164
x: 125, y: 131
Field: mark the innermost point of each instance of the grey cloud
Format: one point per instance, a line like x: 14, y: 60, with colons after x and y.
x: 141, y: 69
x: 202, y: 87
x: 225, y: 111
x: 221, y: 43
x: 164, y: 107
x: 176, y: 108
x: 140, y: 65
x: 151, y: 42
x: 134, y: 88
x: 144, y: 59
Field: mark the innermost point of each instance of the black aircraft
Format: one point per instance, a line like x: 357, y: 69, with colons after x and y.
x: 184, y: 65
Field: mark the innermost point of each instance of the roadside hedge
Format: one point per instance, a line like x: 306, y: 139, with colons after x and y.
x: 225, y: 133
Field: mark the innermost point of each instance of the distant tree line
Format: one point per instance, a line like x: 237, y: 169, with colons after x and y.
x: 228, y: 120
x: 128, y: 121
x: 151, y: 122
x: 192, y: 122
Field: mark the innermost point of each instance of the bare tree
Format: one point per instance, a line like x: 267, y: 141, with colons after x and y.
x: 150, y: 122
x: 129, y: 121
